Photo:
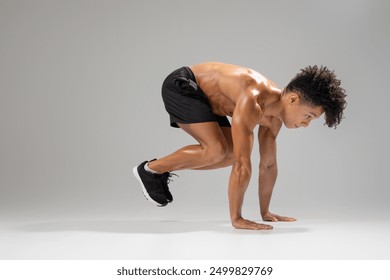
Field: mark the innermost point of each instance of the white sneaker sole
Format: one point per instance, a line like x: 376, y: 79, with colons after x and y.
x: 147, y: 196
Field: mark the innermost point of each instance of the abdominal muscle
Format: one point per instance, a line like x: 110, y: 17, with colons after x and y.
x: 221, y: 105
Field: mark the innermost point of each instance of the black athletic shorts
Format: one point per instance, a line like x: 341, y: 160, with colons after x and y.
x: 185, y: 101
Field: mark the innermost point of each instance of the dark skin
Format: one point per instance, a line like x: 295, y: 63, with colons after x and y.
x: 251, y: 100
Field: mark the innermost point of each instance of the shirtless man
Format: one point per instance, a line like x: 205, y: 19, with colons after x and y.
x: 198, y: 99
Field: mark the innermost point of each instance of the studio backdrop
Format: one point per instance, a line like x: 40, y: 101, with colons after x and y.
x: 80, y: 103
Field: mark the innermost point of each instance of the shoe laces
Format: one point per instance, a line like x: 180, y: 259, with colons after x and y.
x: 165, y: 178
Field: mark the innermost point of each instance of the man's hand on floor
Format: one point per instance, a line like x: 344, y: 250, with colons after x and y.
x: 269, y: 217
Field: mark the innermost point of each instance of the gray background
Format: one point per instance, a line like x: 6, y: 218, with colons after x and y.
x: 80, y: 105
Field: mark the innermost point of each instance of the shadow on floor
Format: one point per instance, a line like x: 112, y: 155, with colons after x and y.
x: 148, y: 227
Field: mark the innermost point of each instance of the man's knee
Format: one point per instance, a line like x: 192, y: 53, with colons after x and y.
x: 229, y: 156
x: 217, y: 152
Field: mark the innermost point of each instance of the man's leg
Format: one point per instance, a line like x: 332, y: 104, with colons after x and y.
x: 228, y: 161
x: 213, y: 151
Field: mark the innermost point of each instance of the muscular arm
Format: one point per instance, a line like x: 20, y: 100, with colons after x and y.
x: 268, y: 171
x: 242, y: 133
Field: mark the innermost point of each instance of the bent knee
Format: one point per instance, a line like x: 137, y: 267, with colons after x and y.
x: 229, y: 156
x: 217, y: 152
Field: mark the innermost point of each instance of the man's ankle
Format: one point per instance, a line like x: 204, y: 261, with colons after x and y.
x: 150, y: 170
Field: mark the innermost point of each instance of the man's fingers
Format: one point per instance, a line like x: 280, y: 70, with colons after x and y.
x: 261, y: 226
x: 246, y: 224
x: 276, y: 218
x: 265, y: 227
x: 286, y: 219
x: 256, y: 227
x: 270, y: 219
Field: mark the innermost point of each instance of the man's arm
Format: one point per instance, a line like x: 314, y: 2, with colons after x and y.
x: 242, y: 133
x: 268, y: 170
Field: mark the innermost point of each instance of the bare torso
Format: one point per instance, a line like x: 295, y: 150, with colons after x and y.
x: 225, y: 84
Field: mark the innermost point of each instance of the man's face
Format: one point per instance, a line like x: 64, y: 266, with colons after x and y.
x: 299, y: 114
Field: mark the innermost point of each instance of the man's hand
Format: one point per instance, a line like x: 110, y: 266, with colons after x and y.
x: 246, y: 224
x: 269, y: 217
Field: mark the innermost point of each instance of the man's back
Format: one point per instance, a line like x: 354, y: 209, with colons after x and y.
x: 226, y: 84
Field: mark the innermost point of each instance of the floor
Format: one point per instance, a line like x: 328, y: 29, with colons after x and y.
x: 144, y: 239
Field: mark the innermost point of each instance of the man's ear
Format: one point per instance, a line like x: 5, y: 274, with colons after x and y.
x: 293, y: 98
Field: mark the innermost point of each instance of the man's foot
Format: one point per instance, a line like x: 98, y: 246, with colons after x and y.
x: 154, y: 186
x: 165, y: 179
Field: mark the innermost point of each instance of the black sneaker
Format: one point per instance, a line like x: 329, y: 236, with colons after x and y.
x: 152, y: 185
x: 165, y: 180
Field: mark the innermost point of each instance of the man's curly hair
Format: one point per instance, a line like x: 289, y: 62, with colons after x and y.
x: 320, y: 87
